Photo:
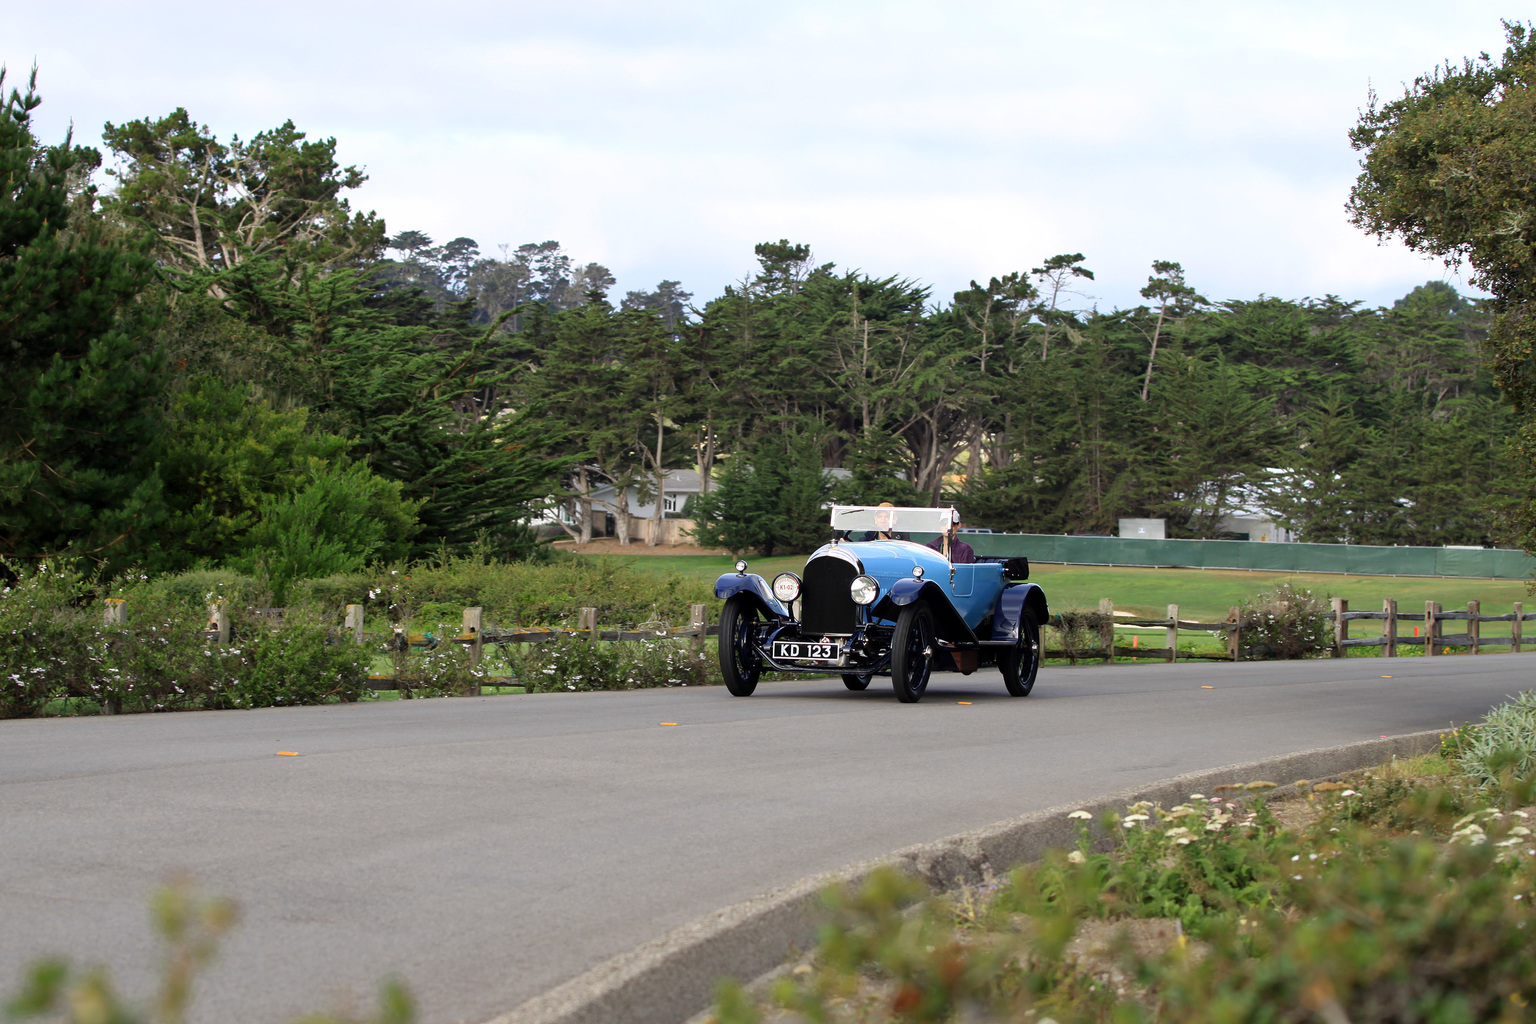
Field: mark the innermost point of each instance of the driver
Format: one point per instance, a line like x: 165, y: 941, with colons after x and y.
x: 883, y: 523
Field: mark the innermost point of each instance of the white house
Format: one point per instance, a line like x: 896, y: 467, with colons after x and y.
x: 680, y: 486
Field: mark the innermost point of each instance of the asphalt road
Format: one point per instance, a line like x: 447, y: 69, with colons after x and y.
x: 488, y: 849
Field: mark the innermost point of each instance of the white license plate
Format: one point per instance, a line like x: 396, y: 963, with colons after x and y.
x: 801, y: 650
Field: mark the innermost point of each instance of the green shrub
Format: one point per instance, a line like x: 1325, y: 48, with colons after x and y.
x: 1341, y: 925
x: 1503, y: 742
x: 1287, y: 622
x: 1197, y: 863
x: 1078, y: 633
x: 1397, y: 805
x: 1384, y: 930
x: 187, y: 595
x: 49, y: 647
x: 573, y: 664
x: 439, y: 671
x: 167, y: 666
x: 301, y: 663
x: 527, y: 593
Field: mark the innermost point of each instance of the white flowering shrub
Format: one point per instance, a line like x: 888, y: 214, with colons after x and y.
x: 48, y: 648
x: 1287, y: 622
x: 54, y: 650
x: 573, y: 664
x: 301, y: 663
x: 440, y: 671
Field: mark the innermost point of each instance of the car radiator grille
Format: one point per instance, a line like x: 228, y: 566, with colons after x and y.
x: 826, y: 603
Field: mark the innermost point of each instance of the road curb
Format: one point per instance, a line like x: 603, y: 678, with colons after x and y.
x: 673, y: 978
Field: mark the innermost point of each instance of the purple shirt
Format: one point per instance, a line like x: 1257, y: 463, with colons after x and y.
x: 960, y: 553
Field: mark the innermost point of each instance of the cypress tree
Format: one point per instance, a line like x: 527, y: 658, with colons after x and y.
x: 83, y: 376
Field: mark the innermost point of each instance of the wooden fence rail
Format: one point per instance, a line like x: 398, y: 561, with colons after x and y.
x: 1433, y: 639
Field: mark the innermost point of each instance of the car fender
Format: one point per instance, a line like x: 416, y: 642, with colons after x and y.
x: 949, y: 623
x: 1010, y: 609
x: 751, y: 583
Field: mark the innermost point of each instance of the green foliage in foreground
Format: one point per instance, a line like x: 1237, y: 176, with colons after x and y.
x: 1504, y: 743
x: 1401, y: 899
x: 190, y: 927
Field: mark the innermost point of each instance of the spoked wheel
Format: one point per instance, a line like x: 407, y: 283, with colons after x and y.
x: 740, y: 663
x: 912, y: 652
x: 1021, y: 663
x: 854, y: 682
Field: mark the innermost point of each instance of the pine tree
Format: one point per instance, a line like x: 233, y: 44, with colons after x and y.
x: 80, y: 408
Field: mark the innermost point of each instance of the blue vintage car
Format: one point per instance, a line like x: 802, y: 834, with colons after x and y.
x: 873, y: 602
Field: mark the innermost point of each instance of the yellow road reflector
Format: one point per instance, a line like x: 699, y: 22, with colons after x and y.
x: 668, y: 723
x: 1386, y: 677
x: 962, y: 702
x: 287, y: 753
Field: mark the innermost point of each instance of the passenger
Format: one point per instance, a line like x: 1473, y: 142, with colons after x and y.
x: 960, y: 553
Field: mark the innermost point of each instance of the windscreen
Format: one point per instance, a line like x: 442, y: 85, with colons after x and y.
x: 858, y: 519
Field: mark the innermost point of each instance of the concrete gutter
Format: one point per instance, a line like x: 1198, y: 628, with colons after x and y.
x: 673, y: 978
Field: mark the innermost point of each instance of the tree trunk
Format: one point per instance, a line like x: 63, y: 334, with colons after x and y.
x: 707, y: 458
x: 621, y: 513
x: 584, y: 506
x: 1146, y: 385
x: 661, y: 489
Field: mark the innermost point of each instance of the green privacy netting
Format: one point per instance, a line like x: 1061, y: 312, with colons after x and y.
x: 1239, y: 554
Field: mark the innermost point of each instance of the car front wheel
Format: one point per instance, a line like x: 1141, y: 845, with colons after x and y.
x: 1021, y: 663
x: 740, y: 663
x: 912, y: 652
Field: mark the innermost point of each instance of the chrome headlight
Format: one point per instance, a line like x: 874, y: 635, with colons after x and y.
x: 864, y: 590
x: 786, y: 586
x: 741, y: 565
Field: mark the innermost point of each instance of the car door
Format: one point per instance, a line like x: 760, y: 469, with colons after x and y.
x: 973, y: 589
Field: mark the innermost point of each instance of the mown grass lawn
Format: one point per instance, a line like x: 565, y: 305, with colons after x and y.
x: 1201, y: 594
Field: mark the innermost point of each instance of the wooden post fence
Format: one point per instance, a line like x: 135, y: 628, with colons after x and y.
x: 1107, y: 628
x: 473, y: 622
x: 474, y: 634
x: 354, y: 622
x: 1340, y: 626
x: 1171, y: 634
x: 218, y: 622
x: 114, y: 612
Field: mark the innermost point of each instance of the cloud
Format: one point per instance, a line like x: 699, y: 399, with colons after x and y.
x: 941, y: 141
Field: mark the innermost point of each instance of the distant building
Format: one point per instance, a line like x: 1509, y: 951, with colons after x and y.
x: 1254, y: 527
x: 680, y: 485
x: 1144, y: 529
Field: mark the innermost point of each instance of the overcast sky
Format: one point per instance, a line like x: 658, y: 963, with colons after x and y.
x: 939, y: 141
